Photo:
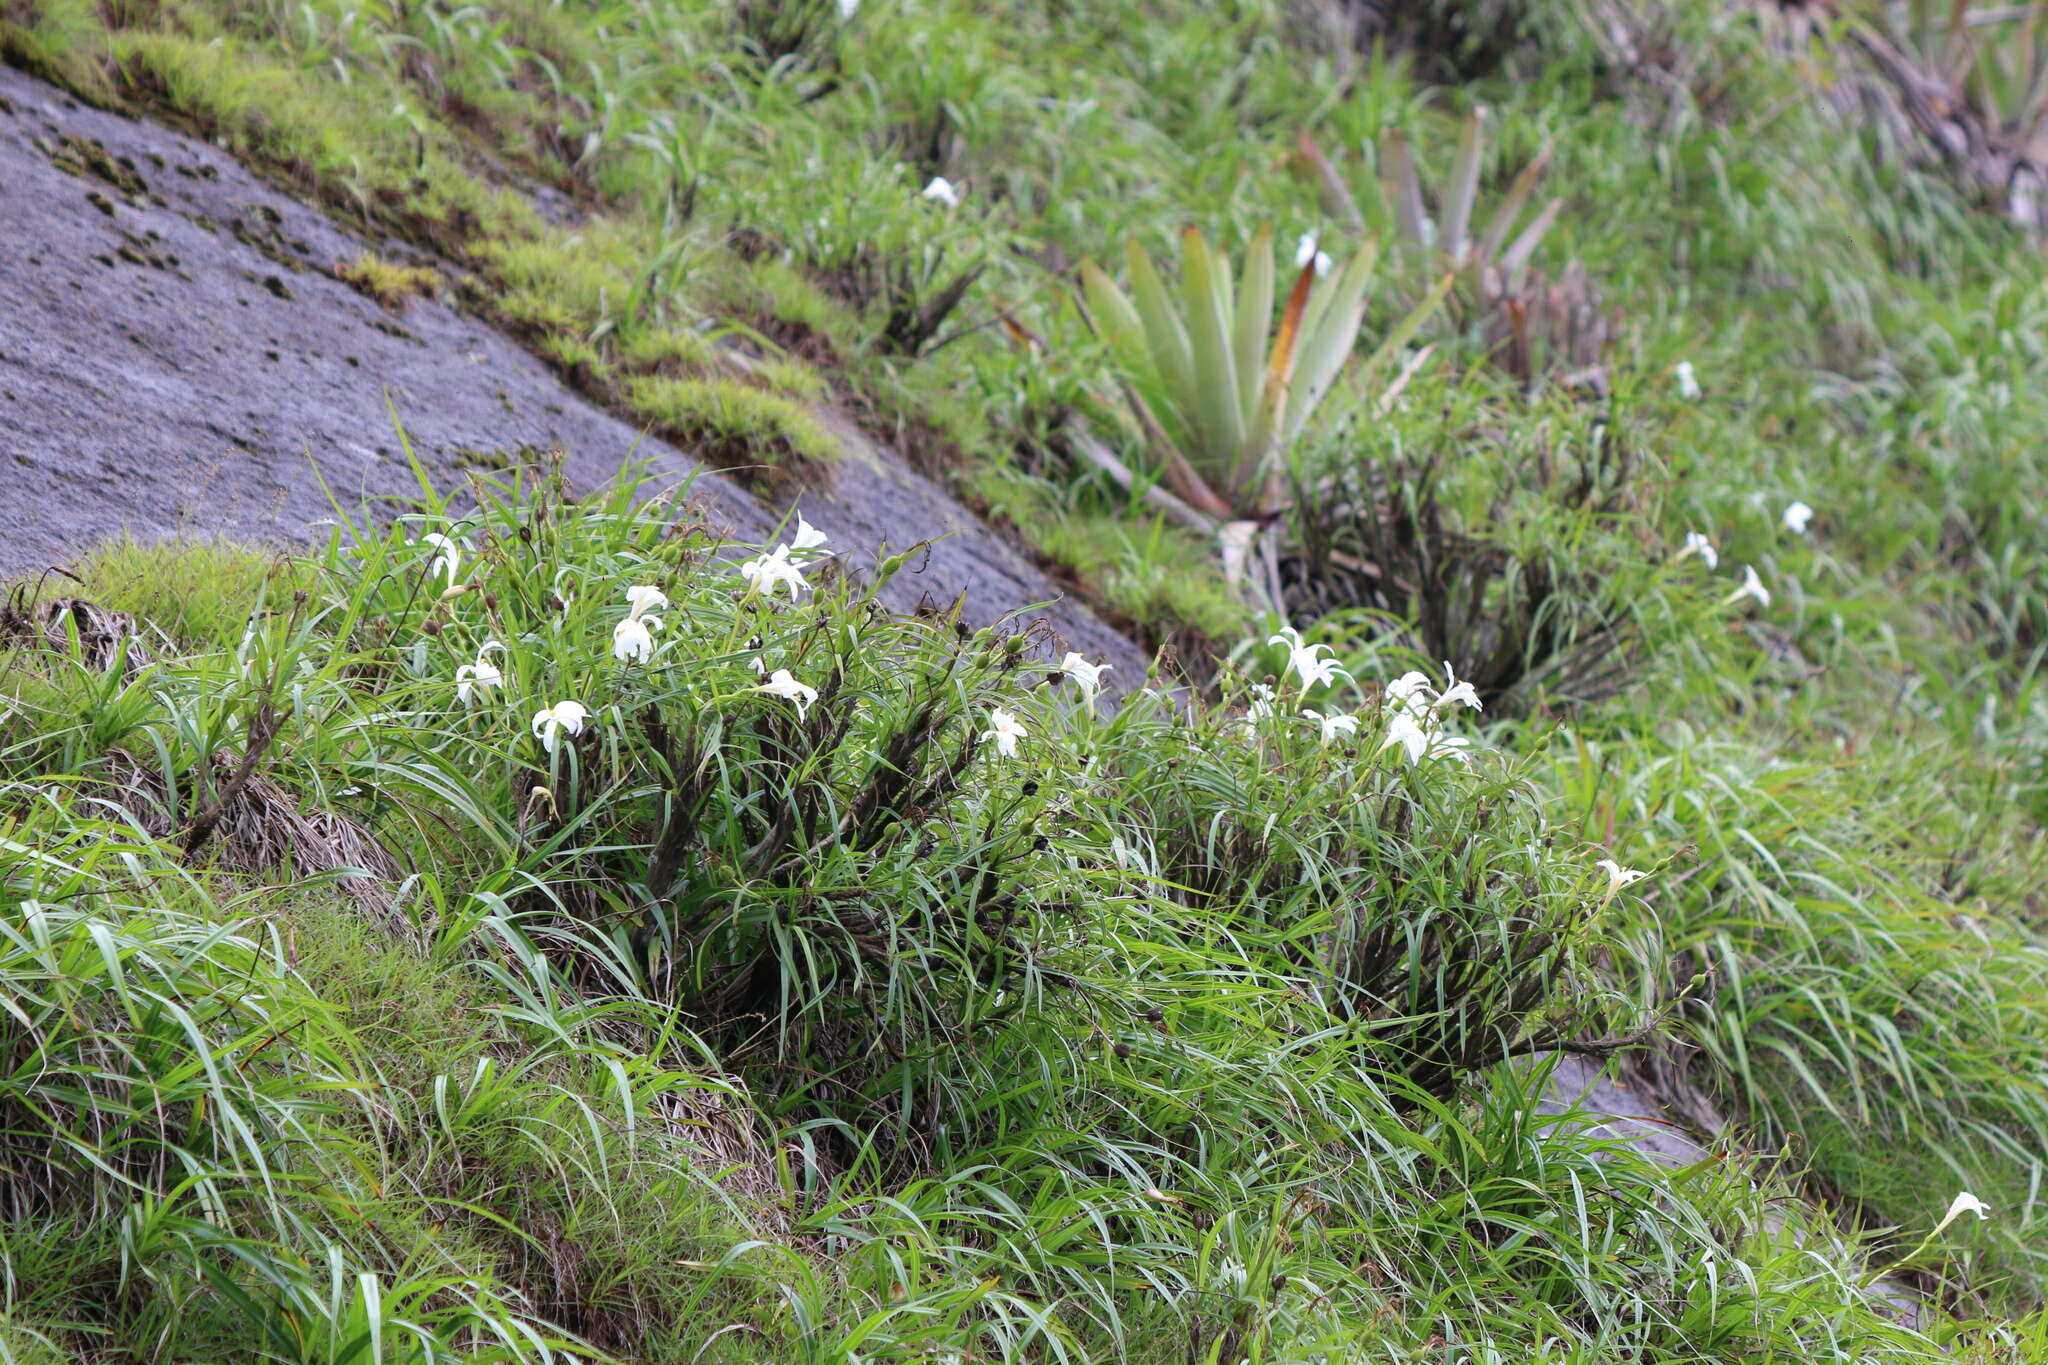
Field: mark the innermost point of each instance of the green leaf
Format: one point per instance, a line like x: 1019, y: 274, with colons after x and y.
x: 1330, y: 328
x: 1166, y: 338
x: 1254, y: 318
x: 1205, y: 285
x: 1405, y: 189
x: 1456, y: 221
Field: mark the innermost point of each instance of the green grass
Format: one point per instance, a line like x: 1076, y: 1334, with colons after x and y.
x: 726, y: 1032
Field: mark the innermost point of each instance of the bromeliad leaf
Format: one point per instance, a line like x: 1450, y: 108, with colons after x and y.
x: 1223, y: 392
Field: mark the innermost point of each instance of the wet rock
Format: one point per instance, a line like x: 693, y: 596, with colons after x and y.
x: 160, y: 376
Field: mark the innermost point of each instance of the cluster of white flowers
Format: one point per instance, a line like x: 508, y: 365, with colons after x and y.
x: 1796, y: 519
x: 1307, y: 662
x: 784, y: 566
x: 1415, y: 715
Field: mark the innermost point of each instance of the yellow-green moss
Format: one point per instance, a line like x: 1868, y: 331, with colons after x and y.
x: 386, y: 282
x: 657, y: 350
x: 728, y: 423
x: 793, y: 379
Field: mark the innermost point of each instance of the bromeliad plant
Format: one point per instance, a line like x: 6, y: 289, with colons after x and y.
x: 1529, y: 323
x: 1973, y: 81
x: 1220, y: 389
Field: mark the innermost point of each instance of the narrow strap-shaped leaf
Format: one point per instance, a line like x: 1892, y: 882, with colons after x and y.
x: 1172, y: 356
x: 1404, y: 189
x: 1329, y: 327
x: 1511, y: 205
x: 1331, y: 188
x: 1123, y: 329
x: 1406, y: 327
x: 1253, y: 318
x: 1517, y: 256
x: 1456, y: 218
x: 1264, y: 448
x: 1204, y: 280
x: 1110, y: 312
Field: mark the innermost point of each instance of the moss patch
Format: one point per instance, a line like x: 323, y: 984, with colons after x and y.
x: 729, y: 424
x: 389, y: 283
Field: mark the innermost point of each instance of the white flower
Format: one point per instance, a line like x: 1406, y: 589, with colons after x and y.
x: 483, y: 673
x: 1086, y: 676
x: 1688, y: 382
x: 643, y: 598
x: 1696, y: 543
x: 1420, y: 737
x: 1004, y: 731
x: 1405, y: 730
x: 1410, y: 693
x: 1305, y: 252
x: 1963, y: 1203
x: 808, y: 537
x: 1261, y: 705
x: 1442, y: 745
x: 1796, y: 517
x: 783, y: 683
x: 1752, y: 586
x: 1455, y: 691
x: 1617, y: 877
x: 1312, y: 669
x: 549, y: 722
x: 633, y: 639
x: 941, y: 189
x: 765, y: 572
x: 1333, y: 726
x: 450, y: 558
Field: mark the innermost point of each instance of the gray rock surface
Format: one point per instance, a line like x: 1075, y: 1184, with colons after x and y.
x: 177, y: 358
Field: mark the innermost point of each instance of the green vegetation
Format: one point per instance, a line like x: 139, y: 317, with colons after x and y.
x: 388, y: 283
x: 851, y: 987
x: 728, y: 422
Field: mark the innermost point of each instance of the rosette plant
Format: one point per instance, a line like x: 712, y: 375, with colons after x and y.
x: 1220, y: 384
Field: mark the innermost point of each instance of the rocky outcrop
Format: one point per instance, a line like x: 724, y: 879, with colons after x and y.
x: 178, y: 356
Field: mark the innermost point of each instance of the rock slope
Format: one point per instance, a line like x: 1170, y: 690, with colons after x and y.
x: 179, y: 357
